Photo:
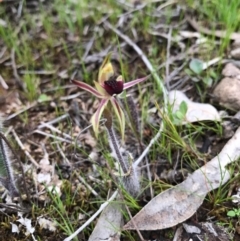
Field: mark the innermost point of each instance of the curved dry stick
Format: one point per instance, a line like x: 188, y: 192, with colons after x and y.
x: 217, y: 33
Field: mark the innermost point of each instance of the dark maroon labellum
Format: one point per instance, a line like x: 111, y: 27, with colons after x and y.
x: 113, y: 86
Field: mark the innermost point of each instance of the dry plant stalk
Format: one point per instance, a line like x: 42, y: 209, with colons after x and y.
x: 6, y: 170
x: 130, y: 178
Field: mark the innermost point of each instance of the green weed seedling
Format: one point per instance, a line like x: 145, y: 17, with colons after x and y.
x: 200, y: 76
x: 31, y: 82
x: 179, y: 115
x: 196, y: 67
x: 235, y: 212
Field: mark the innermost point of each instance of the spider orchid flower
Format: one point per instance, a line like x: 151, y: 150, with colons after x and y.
x: 106, y: 88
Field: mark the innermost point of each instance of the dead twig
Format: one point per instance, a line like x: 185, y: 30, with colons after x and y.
x: 172, y: 75
x: 145, y: 152
x: 54, y: 129
x: 88, y: 48
x: 168, y: 56
x: 53, y: 136
x: 54, y: 121
x: 3, y: 83
x: 21, y: 111
x: 217, y: 33
x: 87, y: 185
x: 65, y: 159
x: 24, y: 149
x: 20, y: 8
x: 38, y: 72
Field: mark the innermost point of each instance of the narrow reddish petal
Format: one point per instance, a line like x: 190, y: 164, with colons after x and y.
x: 88, y: 88
x: 133, y: 82
x: 120, y: 115
x: 97, y: 115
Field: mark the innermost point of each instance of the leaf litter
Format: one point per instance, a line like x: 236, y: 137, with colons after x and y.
x: 179, y: 203
x: 47, y: 165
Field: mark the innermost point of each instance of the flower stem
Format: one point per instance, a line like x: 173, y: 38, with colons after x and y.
x: 114, y: 144
x: 129, y: 178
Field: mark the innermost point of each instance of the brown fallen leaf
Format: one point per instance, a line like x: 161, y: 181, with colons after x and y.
x: 179, y: 203
x: 109, y: 224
